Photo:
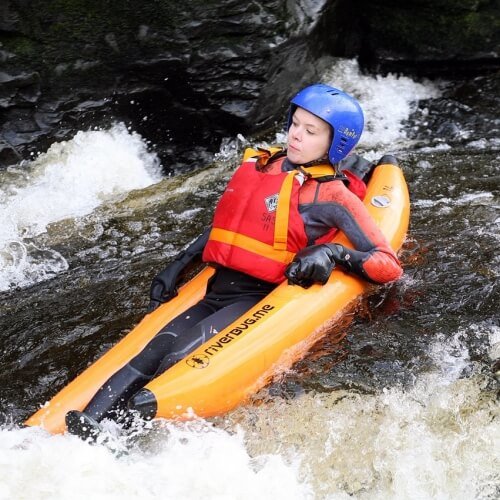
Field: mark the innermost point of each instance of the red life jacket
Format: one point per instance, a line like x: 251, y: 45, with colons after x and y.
x: 257, y: 228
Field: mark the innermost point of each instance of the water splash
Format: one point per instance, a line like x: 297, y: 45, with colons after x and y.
x: 439, y: 438
x: 189, y: 461
x: 68, y: 181
x: 387, y: 102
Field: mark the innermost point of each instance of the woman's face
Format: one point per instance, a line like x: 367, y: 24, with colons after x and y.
x: 309, y: 137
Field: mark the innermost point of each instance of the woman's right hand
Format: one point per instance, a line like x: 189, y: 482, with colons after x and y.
x: 311, y: 265
x: 164, y: 285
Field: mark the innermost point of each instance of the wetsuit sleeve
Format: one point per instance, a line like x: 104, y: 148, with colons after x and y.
x: 195, y: 249
x: 164, y: 285
x: 372, y: 257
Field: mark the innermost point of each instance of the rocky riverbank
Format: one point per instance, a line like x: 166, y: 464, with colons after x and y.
x: 185, y: 75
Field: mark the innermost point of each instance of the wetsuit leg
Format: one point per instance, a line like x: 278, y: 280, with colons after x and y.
x: 189, y: 340
x: 230, y: 294
x: 112, y: 397
x: 149, y: 359
x: 177, y: 339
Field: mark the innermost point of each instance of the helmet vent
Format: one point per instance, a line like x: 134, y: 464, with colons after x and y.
x: 342, y: 144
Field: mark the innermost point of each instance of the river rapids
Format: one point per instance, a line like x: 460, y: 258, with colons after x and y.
x: 405, y: 406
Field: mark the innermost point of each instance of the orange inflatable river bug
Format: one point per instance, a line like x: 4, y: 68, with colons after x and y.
x: 241, y: 359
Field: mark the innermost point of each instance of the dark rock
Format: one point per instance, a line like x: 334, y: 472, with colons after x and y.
x: 430, y: 37
x: 9, y: 18
x: 186, y: 74
x: 8, y: 154
x: 20, y: 89
x: 182, y: 75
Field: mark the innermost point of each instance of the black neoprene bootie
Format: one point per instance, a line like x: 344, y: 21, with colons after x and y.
x: 83, y: 426
x: 112, y: 397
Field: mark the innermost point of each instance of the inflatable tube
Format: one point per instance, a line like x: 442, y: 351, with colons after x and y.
x: 241, y: 359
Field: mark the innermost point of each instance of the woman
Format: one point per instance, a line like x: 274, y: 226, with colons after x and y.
x: 274, y: 222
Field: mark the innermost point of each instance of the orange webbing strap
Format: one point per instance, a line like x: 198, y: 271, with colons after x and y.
x: 250, y: 244
x: 250, y: 153
x: 283, y: 208
x: 318, y: 171
x: 262, y: 152
x: 283, y: 212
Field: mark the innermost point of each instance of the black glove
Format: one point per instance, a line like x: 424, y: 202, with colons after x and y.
x: 314, y: 264
x: 164, y: 284
x: 357, y: 165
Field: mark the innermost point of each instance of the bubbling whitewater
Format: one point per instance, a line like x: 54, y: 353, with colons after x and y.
x: 197, y: 461
x: 438, y: 439
x: 70, y: 180
x: 387, y: 103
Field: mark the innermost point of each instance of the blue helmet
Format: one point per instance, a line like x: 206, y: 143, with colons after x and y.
x: 341, y: 111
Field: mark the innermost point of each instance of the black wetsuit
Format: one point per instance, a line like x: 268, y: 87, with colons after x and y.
x: 230, y: 294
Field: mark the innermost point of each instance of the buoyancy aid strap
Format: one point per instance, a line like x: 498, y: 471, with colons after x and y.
x: 318, y: 171
x: 283, y: 208
x: 283, y: 212
x: 250, y: 244
x: 265, y: 154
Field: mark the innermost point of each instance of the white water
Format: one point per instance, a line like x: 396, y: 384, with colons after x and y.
x: 439, y: 439
x: 70, y: 180
x: 386, y: 102
x: 186, y: 463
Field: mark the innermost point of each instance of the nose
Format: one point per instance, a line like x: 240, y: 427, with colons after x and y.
x: 296, y: 133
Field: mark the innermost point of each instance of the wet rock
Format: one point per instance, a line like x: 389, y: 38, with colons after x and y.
x: 8, y: 154
x: 185, y: 75
x: 19, y: 89
x: 430, y: 37
x: 9, y: 18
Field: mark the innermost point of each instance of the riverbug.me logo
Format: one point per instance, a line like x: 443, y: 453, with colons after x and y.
x: 202, y: 360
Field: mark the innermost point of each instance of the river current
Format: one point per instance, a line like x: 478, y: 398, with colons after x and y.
x: 405, y: 406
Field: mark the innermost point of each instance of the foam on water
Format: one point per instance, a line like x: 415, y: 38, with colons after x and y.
x: 436, y: 439
x: 188, y: 462
x: 68, y: 181
x: 387, y: 102
x: 75, y: 177
x: 439, y: 438
x: 466, y: 199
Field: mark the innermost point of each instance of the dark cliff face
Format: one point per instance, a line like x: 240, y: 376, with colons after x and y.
x: 431, y: 37
x: 179, y: 72
x: 186, y: 74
